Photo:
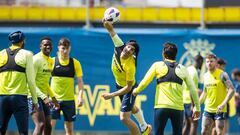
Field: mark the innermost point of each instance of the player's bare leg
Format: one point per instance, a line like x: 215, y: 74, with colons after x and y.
x: 126, y: 120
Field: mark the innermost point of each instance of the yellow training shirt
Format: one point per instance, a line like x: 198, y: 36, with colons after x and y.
x: 63, y: 87
x: 43, y: 68
x: 193, y: 73
x: 128, y: 74
x: 17, y: 83
x: 169, y: 94
x: 215, y: 91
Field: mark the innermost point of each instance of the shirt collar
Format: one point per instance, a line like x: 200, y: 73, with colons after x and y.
x: 44, y: 56
x: 170, y: 60
x: 14, y: 47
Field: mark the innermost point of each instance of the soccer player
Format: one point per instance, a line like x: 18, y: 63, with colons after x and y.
x: 236, y: 78
x: 169, y: 91
x: 221, y: 64
x: 124, y: 68
x: 43, y: 67
x: 189, y: 125
x: 218, y: 90
x: 17, y: 74
x: 62, y: 83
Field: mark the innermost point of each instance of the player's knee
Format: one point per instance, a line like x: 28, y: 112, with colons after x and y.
x: 204, y: 131
x: 124, y: 119
x: 219, y: 129
x: 219, y: 132
x: 40, y: 126
x: 135, y: 110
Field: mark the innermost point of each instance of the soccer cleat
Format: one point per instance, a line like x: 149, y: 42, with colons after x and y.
x: 148, y: 130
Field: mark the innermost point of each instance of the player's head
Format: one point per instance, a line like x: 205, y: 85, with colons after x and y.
x: 169, y: 51
x: 64, y: 47
x: 17, y: 38
x: 131, y: 48
x: 235, y: 74
x: 198, y: 61
x: 221, y: 63
x: 46, y: 45
x: 211, y: 62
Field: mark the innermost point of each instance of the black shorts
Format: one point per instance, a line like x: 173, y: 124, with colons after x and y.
x: 187, y: 110
x: 127, y: 100
x: 215, y: 116
x: 68, y: 109
x: 41, y: 107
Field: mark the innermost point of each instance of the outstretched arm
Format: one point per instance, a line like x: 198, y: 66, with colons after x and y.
x: 115, y: 38
x: 146, y: 80
x: 119, y: 92
x: 226, y: 80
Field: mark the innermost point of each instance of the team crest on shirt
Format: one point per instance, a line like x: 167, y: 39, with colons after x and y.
x: 193, y: 48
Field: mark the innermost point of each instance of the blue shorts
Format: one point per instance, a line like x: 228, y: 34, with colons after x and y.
x: 215, y: 116
x: 187, y: 110
x: 41, y: 107
x: 127, y: 100
x: 68, y: 109
x: 18, y: 106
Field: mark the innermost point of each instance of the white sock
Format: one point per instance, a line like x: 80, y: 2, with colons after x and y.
x: 141, y: 121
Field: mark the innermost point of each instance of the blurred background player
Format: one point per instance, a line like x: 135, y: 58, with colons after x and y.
x: 62, y: 83
x: 168, y: 99
x: 221, y: 64
x: 16, y: 73
x: 190, y: 125
x: 43, y: 67
x: 236, y: 81
x: 218, y: 90
x: 124, y: 64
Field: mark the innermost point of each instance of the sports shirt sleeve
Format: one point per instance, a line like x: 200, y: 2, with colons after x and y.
x: 78, y: 68
x: 30, y: 74
x: 117, y: 41
x: 193, y: 90
x: 151, y: 73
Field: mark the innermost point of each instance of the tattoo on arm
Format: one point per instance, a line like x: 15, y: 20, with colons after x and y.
x: 226, y: 80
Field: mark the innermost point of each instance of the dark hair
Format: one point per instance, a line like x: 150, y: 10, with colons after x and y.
x: 198, y: 59
x: 134, y: 43
x: 65, y: 42
x: 221, y: 61
x: 236, y: 72
x: 45, y: 38
x: 210, y: 56
x: 170, y: 50
x: 16, y: 37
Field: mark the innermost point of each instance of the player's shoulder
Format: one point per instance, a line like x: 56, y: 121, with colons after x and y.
x: 181, y: 67
x: 37, y: 56
x: 27, y: 52
x: 159, y: 63
x: 3, y: 51
x: 75, y: 60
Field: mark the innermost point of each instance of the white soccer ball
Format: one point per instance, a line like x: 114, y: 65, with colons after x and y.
x: 112, y: 15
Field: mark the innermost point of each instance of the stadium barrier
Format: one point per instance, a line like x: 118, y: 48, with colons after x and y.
x: 128, y: 14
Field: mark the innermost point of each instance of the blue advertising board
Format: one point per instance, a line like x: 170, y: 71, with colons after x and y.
x: 94, y: 49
